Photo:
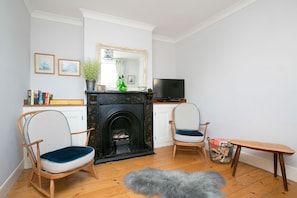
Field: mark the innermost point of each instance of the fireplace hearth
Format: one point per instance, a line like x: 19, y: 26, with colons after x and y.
x: 122, y: 122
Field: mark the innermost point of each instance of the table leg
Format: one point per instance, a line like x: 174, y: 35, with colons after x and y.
x: 235, y: 160
x: 282, y: 165
x: 275, y: 164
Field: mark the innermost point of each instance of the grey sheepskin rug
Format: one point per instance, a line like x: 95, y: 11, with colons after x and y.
x: 175, y: 184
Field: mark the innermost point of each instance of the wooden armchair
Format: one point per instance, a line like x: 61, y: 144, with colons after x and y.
x: 187, y: 131
x: 47, y: 138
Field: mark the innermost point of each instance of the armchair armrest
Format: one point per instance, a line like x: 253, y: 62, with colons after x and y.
x: 35, y: 160
x: 88, y: 131
x: 31, y: 144
x: 206, y: 123
x: 171, y: 122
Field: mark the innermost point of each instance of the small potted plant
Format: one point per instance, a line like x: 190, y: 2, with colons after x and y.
x: 90, y: 71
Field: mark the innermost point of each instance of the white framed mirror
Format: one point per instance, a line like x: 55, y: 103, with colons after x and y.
x: 120, y: 61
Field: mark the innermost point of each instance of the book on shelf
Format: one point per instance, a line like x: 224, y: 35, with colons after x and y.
x: 29, y: 96
x: 37, y: 97
x: 46, y: 98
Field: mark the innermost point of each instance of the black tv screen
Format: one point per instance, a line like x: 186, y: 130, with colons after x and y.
x: 169, y: 89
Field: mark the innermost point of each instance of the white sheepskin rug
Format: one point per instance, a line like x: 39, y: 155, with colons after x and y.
x: 175, y: 184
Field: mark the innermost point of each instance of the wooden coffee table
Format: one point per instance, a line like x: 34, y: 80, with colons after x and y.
x: 276, y: 149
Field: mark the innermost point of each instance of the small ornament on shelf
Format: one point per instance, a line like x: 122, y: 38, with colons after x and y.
x: 121, y: 84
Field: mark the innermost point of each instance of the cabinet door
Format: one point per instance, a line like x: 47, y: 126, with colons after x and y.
x: 76, y: 120
x: 162, y: 130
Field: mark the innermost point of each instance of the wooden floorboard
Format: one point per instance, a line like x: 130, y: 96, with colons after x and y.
x: 249, y: 181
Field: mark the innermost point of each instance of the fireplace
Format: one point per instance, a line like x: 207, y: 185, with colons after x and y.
x: 122, y: 122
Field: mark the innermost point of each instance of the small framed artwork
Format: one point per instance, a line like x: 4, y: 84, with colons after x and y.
x: 44, y: 63
x: 69, y: 67
x: 131, y: 79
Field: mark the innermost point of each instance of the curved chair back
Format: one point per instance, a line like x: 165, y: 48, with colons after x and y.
x: 47, y: 138
x: 186, y: 117
x: 186, y: 128
x: 50, y: 126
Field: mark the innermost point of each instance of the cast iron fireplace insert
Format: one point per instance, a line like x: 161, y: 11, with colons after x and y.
x: 123, y: 124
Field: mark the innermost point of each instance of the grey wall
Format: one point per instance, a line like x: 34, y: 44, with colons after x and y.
x: 65, y: 41
x: 14, y: 80
x: 242, y: 72
x: 164, y: 59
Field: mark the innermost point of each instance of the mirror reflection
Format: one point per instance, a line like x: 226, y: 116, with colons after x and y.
x: 118, y: 62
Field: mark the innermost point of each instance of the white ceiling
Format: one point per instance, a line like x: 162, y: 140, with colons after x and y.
x: 173, y: 19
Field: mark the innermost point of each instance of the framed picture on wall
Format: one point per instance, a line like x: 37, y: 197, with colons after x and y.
x: 69, y: 67
x: 44, y: 63
x: 131, y: 79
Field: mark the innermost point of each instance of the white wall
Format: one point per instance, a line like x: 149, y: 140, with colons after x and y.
x: 65, y: 41
x: 14, y: 80
x: 97, y: 31
x: 242, y: 71
x: 164, y: 59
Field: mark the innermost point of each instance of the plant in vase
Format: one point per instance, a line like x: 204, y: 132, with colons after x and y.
x: 90, y: 71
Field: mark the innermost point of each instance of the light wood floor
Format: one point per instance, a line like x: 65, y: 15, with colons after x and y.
x: 249, y: 181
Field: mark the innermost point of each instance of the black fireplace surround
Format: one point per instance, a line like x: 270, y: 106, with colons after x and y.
x: 123, y: 123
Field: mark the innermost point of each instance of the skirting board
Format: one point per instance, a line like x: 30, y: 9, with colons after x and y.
x: 10, y: 181
x: 265, y: 164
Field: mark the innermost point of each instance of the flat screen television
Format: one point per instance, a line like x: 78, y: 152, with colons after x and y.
x: 168, y: 90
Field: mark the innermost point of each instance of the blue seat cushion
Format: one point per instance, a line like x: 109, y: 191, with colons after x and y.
x: 67, y: 154
x: 189, y: 132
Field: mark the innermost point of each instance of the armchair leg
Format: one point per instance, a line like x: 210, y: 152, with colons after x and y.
x: 31, y: 178
x: 93, y: 171
x: 52, y: 188
x: 204, y: 152
x: 174, y: 150
x: 39, y: 180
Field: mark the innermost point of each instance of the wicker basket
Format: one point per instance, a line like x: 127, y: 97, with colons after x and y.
x: 220, y: 150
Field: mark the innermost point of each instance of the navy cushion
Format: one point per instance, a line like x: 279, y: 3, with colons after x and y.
x: 67, y: 154
x: 189, y: 132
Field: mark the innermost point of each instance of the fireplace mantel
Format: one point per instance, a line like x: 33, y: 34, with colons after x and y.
x: 105, y: 109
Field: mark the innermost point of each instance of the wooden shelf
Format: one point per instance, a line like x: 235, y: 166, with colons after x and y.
x: 174, y: 102
x: 52, y: 105
x: 60, y: 102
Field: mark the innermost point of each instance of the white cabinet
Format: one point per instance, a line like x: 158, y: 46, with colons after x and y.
x: 162, y: 130
x: 77, y: 119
